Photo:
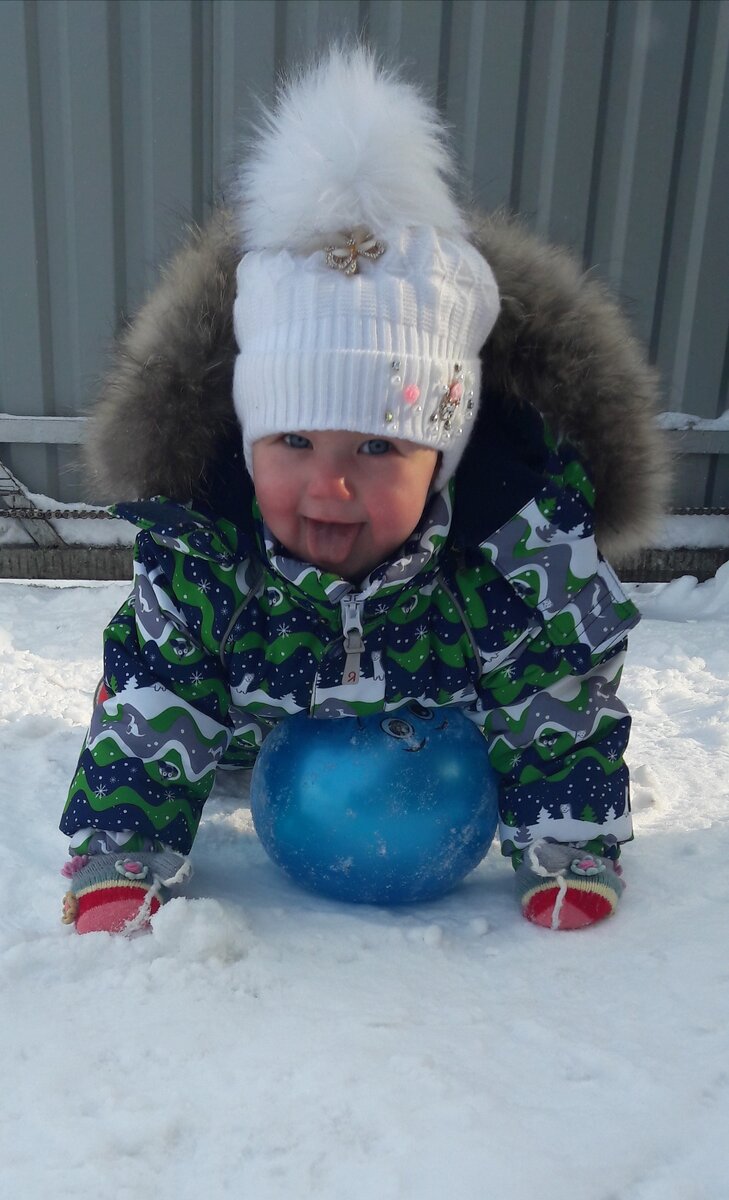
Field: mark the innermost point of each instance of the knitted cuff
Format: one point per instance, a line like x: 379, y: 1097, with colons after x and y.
x: 118, y: 893
x: 563, y: 887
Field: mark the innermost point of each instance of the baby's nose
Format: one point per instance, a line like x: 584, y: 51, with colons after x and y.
x: 330, y: 483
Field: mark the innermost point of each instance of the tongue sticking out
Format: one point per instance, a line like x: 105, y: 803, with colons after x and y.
x: 330, y: 542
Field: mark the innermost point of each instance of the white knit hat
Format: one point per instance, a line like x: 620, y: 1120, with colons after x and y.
x: 361, y: 305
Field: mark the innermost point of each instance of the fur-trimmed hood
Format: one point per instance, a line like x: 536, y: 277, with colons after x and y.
x: 163, y: 421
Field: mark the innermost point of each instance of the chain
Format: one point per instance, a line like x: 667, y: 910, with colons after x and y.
x: 699, y: 512
x: 100, y: 514
x: 43, y: 514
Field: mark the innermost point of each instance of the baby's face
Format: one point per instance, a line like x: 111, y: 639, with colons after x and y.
x: 342, y: 501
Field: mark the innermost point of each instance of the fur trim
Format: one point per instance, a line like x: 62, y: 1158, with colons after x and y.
x: 330, y: 158
x: 560, y: 343
x: 171, y: 373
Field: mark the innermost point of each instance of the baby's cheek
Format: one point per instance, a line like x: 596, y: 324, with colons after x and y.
x: 278, y: 508
x: 395, y: 518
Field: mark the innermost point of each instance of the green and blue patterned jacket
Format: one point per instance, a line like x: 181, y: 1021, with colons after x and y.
x: 223, y: 635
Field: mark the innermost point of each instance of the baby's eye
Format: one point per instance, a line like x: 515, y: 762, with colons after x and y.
x: 376, y: 446
x: 296, y: 441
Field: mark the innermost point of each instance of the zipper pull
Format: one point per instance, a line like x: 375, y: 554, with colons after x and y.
x: 353, y: 641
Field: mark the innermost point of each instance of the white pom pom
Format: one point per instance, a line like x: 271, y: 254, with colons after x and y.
x: 348, y: 145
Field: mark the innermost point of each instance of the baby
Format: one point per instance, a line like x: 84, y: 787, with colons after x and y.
x: 370, y: 563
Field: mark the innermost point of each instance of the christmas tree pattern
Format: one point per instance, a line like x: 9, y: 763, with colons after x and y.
x: 224, y: 634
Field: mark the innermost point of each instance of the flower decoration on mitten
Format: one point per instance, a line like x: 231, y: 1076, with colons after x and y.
x: 119, y: 893
x: 565, y: 887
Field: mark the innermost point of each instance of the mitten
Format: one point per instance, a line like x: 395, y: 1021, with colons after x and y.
x: 563, y: 887
x: 119, y: 893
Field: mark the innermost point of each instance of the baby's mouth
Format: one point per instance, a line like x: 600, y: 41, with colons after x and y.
x: 330, y: 542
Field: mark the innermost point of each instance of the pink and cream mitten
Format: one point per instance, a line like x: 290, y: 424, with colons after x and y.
x: 563, y: 887
x: 119, y: 893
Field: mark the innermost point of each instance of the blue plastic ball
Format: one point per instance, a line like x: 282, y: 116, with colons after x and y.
x: 387, y: 809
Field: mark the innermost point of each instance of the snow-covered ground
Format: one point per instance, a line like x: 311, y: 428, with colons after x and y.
x: 265, y: 1043
x: 683, y: 420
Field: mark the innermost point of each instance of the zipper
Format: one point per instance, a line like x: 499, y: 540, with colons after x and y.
x: 353, y: 640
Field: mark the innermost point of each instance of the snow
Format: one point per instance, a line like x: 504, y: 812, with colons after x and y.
x: 684, y: 598
x: 682, y: 420
x: 267, y: 1043
x: 701, y: 532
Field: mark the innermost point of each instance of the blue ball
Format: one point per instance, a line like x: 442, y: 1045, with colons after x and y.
x: 386, y: 809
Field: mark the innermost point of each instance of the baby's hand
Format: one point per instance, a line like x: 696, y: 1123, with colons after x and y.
x: 119, y: 893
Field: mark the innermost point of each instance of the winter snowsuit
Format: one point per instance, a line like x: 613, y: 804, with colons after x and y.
x: 500, y: 602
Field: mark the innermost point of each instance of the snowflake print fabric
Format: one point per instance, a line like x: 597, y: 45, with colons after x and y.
x: 225, y: 634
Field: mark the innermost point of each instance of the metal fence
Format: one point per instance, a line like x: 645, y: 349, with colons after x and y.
x: 603, y: 122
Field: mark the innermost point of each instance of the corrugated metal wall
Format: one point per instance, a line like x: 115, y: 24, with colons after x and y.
x: 604, y: 122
